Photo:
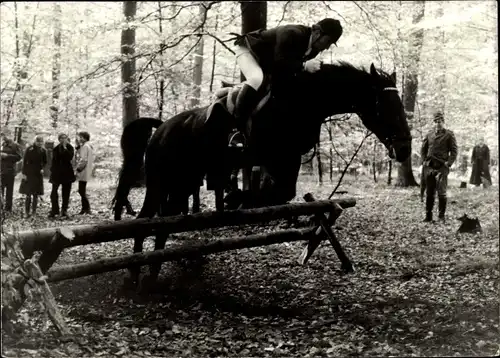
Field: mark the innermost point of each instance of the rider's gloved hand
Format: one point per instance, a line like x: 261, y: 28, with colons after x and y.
x: 312, y: 65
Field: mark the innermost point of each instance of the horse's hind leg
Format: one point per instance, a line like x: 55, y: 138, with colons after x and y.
x: 196, y: 200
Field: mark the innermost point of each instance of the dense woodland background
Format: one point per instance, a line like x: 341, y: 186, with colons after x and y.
x: 61, y: 65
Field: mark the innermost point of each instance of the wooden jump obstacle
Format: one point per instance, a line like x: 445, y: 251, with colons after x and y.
x: 52, y: 241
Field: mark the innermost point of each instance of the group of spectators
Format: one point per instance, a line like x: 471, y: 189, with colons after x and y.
x: 64, y: 171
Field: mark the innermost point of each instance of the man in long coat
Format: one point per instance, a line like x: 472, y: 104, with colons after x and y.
x: 61, y: 174
x: 480, y: 161
x: 439, y: 152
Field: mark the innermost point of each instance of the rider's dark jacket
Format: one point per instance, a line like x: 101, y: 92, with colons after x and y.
x: 280, y: 51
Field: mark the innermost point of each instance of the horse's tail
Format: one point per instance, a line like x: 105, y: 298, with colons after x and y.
x: 133, y: 143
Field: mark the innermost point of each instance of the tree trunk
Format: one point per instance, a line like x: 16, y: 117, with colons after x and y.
x: 56, y: 64
x: 441, y: 58
x: 39, y: 240
x: 374, y: 161
x: 128, y: 64
x: 22, y: 57
x: 389, y: 173
x: 214, y: 54
x: 410, y: 88
x: 320, y: 167
x: 198, y: 64
x: 161, y: 90
x: 330, y: 136
x: 253, y: 17
x: 307, y: 164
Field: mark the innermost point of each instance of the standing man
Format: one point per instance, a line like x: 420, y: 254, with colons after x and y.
x: 439, y: 151
x: 84, y: 166
x: 480, y: 161
x: 61, y: 173
x: 11, y: 153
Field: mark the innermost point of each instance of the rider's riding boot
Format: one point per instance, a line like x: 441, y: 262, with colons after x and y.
x: 245, y: 104
x: 442, y: 207
x: 429, y: 204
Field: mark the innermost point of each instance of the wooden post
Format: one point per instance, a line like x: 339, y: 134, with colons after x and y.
x: 48, y: 299
x: 326, y: 230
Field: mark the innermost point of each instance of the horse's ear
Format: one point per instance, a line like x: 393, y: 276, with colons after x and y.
x: 373, y: 70
x: 393, y: 77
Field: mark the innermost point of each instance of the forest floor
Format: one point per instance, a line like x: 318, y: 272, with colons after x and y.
x: 418, y: 289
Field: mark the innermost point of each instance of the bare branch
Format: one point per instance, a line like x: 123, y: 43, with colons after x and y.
x: 283, y: 14
x: 187, y: 53
x: 220, y: 41
x: 348, y: 164
x: 337, y: 152
x: 329, y: 8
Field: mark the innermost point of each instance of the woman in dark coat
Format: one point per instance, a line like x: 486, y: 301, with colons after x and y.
x: 61, y: 174
x: 35, y: 159
x: 480, y: 161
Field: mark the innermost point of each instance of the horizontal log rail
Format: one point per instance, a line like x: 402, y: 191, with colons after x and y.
x: 204, y: 247
x: 39, y: 240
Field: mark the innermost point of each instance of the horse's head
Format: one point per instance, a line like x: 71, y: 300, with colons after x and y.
x: 385, y: 115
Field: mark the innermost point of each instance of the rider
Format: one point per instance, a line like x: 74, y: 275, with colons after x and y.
x: 280, y: 53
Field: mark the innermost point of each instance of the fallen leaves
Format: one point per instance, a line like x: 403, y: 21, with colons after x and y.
x: 418, y: 290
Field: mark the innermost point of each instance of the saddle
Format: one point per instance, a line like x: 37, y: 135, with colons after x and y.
x: 225, y: 98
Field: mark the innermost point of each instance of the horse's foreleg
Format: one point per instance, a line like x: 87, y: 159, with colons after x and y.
x: 160, y: 240
x: 219, y: 199
x: 196, y: 200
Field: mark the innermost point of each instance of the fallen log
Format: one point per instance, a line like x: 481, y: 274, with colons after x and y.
x: 39, y: 240
x: 204, y: 247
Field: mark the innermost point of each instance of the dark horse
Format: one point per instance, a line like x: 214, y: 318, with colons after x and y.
x: 186, y: 147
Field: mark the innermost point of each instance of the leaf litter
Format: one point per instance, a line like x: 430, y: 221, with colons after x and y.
x: 417, y: 290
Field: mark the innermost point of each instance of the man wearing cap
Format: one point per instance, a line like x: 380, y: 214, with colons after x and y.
x: 439, y: 151
x: 279, y: 53
x: 11, y: 153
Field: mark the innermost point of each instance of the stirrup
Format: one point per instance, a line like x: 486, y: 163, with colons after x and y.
x: 236, y: 143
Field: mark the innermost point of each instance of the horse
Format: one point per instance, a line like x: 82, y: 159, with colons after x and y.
x: 137, y: 132
x: 193, y: 143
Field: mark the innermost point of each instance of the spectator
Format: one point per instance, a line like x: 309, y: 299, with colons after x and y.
x: 11, y: 153
x: 61, y: 174
x: 84, y: 166
x: 480, y: 161
x: 35, y: 159
x: 439, y: 151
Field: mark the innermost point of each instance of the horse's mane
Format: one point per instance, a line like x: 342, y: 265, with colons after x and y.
x: 351, y: 69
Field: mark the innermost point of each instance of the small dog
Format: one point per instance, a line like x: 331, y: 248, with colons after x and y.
x: 469, y: 225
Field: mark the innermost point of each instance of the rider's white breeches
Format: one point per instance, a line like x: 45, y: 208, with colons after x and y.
x: 249, y: 66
